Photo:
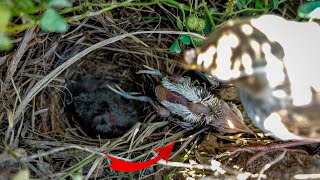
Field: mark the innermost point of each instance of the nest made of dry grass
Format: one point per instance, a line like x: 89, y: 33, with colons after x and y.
x: 35, y: 128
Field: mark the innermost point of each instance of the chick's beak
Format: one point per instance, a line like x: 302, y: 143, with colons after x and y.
x: 229, y: 121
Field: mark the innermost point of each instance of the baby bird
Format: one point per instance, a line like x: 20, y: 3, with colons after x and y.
x: 275, y: 64
x: 98, y: 110
x: 193, y: 103
x: 197, y: 105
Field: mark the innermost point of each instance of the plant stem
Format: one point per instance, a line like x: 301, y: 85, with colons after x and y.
x: 21, y: 27
x: 209, y: 15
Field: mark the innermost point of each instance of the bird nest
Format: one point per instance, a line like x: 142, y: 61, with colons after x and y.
x: 41, y: 138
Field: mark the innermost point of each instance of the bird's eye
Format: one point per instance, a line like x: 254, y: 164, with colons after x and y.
x: 103, y: 121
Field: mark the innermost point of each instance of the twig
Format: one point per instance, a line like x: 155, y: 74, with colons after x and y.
x: 268, y: 165
x: 35, y: 156
x: 307, y: 176
x: 270, y: 147
x: 215, y: 166
x: 18, y: 55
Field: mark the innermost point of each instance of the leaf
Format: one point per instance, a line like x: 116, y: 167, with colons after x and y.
x: 179, y: 23
x: 5, y: 43
x: 60, y: 3
x: 275, y: 4
x: 259, y: 4
x: 25, y: 5
x: 5, y: 15
x: 52, y: 21
x: 209, y: 27
x: 309, y: 10
x: 245, y: 2
x: 185, y: 39
x: 239, y: 5
x: 175, y: 47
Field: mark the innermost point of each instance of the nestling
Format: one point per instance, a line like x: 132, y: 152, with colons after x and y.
x: 197, y: 105
x: 98, y: 110
x: 193, y: 103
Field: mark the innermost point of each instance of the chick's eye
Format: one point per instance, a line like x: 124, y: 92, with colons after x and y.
x: 103, y: 121
x: 102, y: 109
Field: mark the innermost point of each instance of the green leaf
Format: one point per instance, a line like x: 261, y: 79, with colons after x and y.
x: 275, y: 4
x: 208, y: 28
x: 5, y: 15
x: 23, y: 5
x: 52, y: 21
x: 60, y: 3
x: 179, y: 23
x: 309, y: 10
x: 272, y: 6
x: 5, y: 42
x: 259, y: 4
x: 239, y: 5
x: 175, y: 47
x: 185, y: 39
x: 245, y: 2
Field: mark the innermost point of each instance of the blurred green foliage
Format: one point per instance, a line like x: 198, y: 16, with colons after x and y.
x: 30, y: 11
x: 310, y: 10
x: 51, y: 21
